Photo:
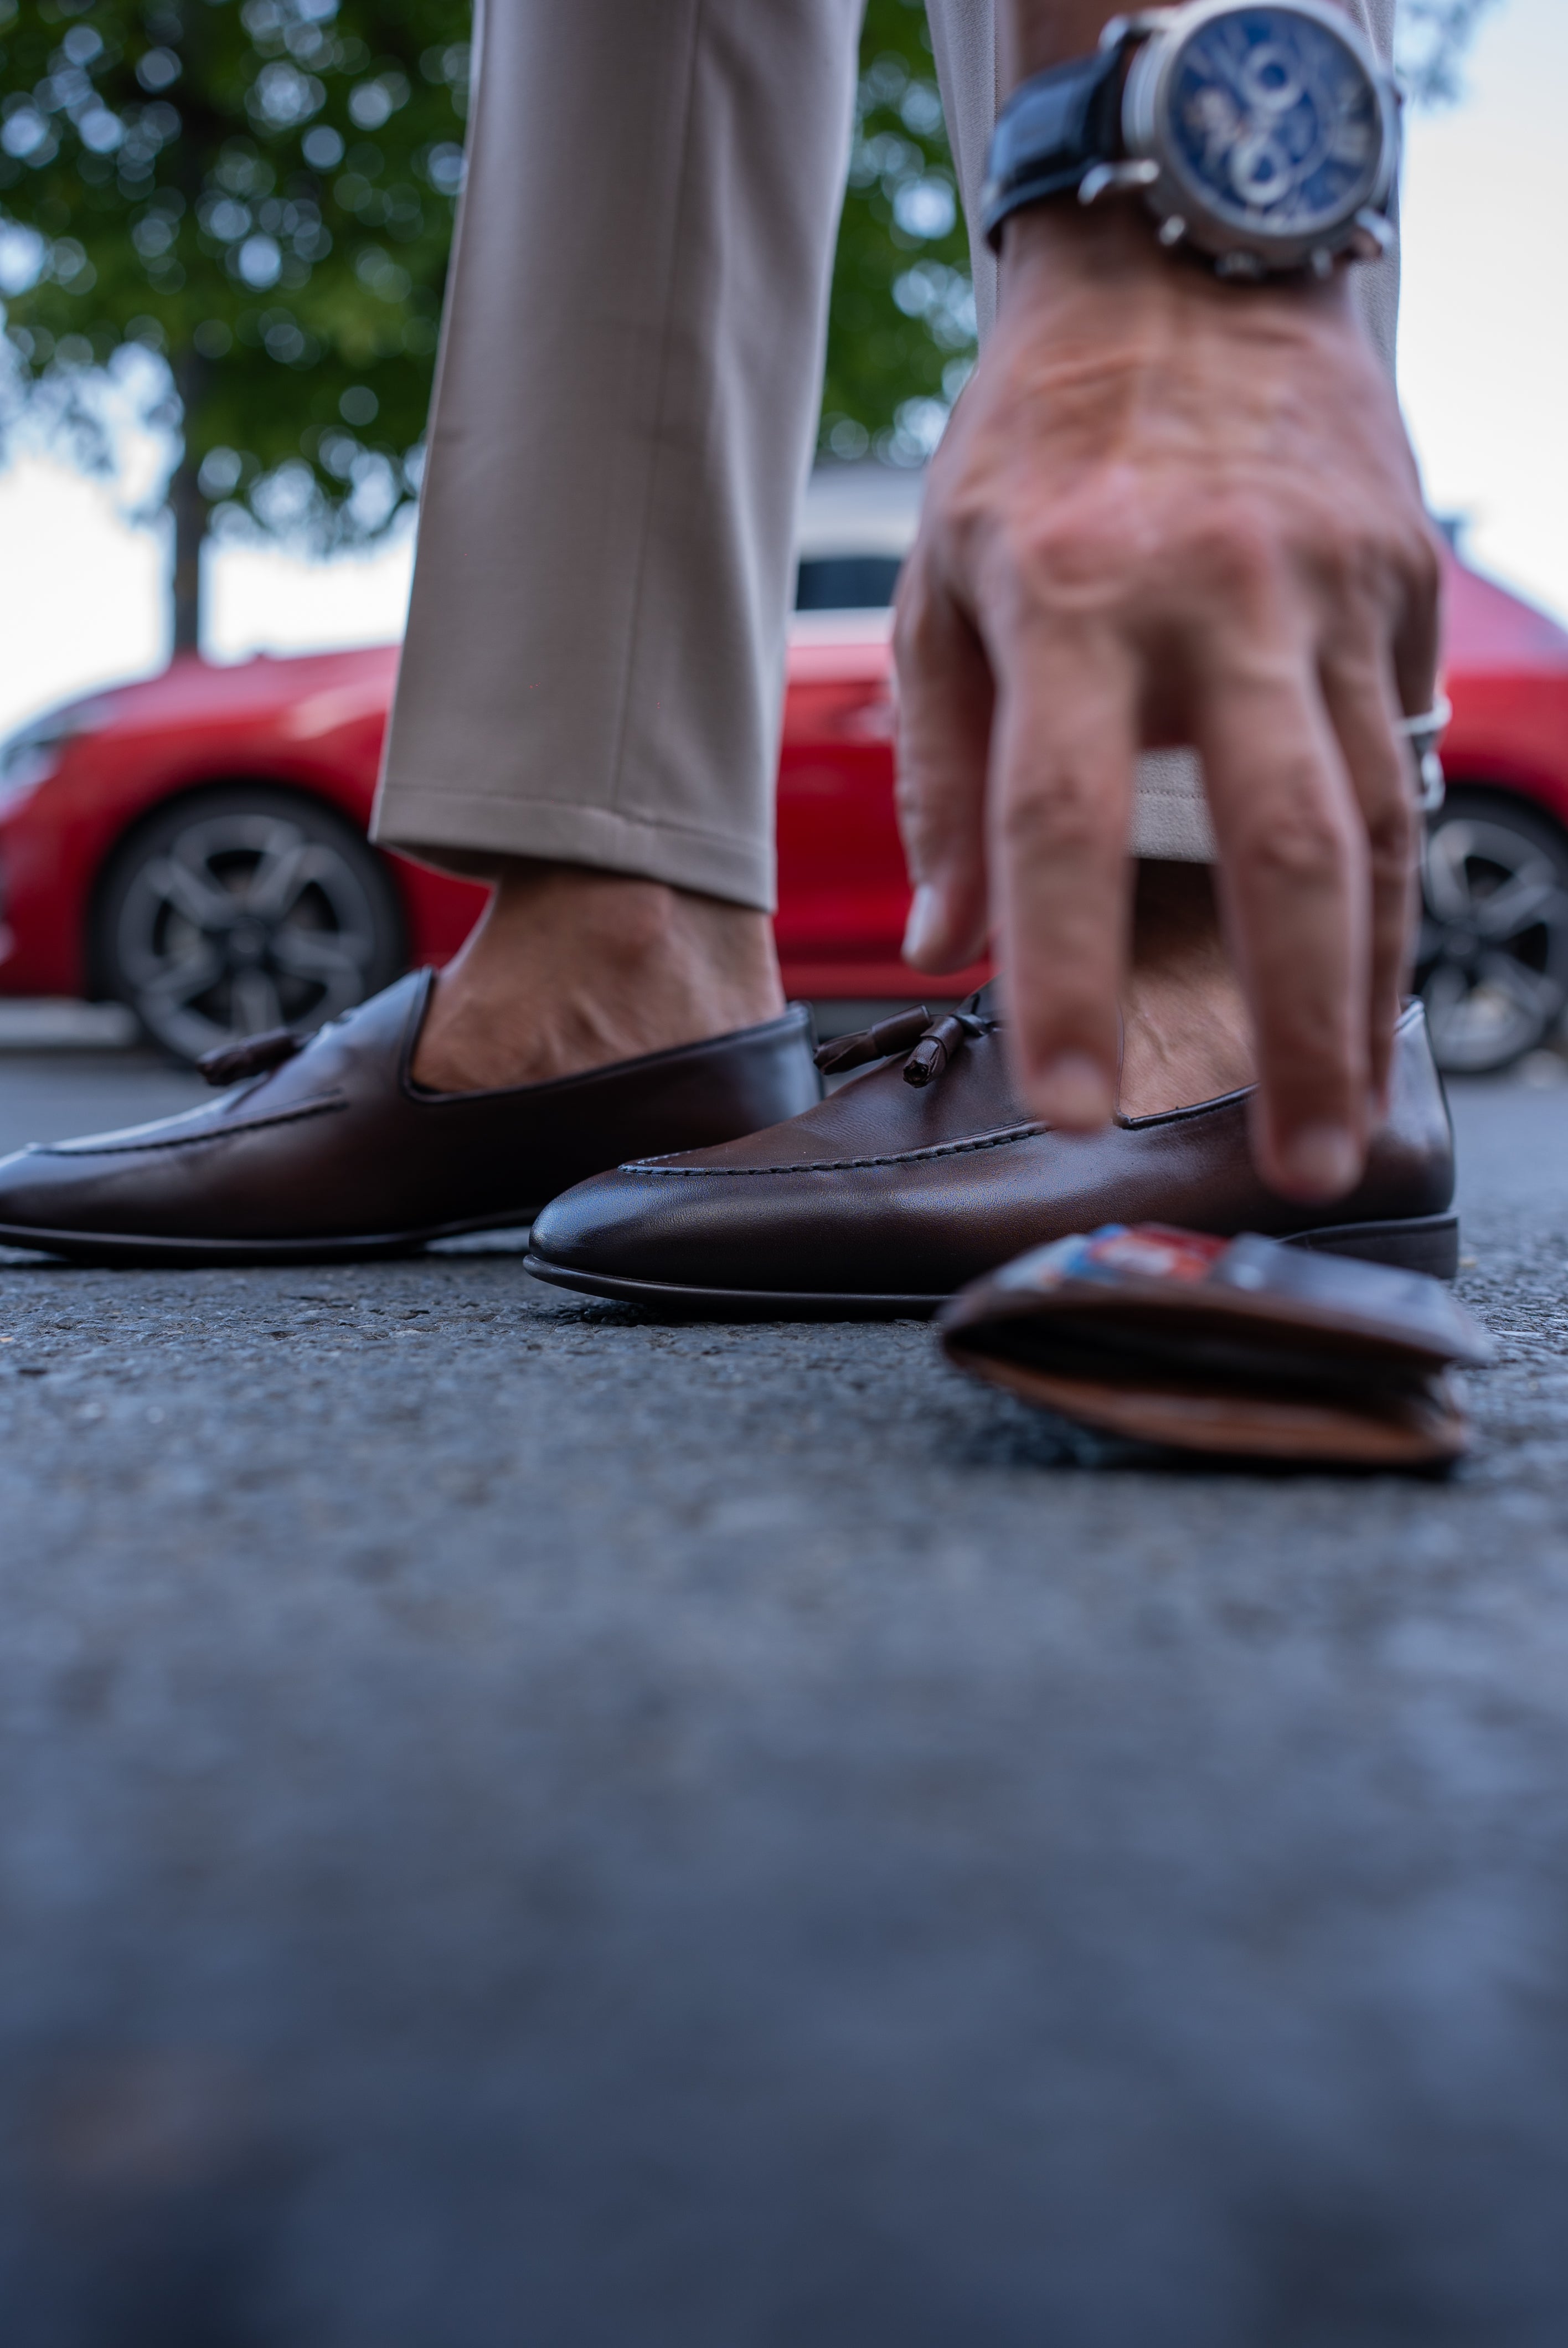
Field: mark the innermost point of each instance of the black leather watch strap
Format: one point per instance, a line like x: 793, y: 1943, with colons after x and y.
x: 1054, y: 128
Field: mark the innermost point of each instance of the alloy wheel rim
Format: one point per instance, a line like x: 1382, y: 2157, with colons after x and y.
x: 243, y: 922
x: 1494, y: 943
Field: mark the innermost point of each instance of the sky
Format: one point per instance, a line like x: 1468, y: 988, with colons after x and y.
x: 1483, y: 329
x: 1483, y: 372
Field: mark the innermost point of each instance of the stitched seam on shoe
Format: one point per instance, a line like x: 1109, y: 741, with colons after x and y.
x: 213, y: 1133
x: 844, y: 1165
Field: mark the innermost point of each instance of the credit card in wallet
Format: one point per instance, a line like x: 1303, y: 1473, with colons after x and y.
x: 1241, y: 1346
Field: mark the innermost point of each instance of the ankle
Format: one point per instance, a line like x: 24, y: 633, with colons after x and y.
x: 1187, y: 1034
x: 571, y: 969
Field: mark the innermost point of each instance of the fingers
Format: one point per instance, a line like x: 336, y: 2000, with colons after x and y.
x: 1295, y: 884
x: 1063, y: 757
x: 1051, y: 827
x: 1359, y: 693
x: 1418, y: 632
x: 945, y: 699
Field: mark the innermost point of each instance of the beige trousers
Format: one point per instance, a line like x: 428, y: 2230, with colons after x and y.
x: 625, y: 409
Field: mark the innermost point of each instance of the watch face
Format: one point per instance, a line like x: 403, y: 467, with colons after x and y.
x: 1274, y: 122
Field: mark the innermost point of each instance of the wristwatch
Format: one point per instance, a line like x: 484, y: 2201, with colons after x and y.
x: 1264, y: 137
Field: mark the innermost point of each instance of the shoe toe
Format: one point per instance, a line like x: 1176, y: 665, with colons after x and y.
x: 778, y: 1232
x: 621, y: 1225
x: 30, y: 1198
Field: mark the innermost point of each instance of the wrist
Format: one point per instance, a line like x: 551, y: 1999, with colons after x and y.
x: 1051, y: 249
x: 1261, y: 135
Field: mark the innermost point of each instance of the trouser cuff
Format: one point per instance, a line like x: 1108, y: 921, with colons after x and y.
x: 439, y: 824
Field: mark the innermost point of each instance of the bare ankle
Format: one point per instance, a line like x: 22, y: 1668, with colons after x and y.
x: 1187, y: 1034
x: 571, y: 968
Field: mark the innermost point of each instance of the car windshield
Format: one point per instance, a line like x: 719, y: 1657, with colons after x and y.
x: 32, y: 752
x: 857, y: 522
x: 845, y: 582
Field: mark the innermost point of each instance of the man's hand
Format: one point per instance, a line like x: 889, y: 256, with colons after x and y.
x: 1170, y: 512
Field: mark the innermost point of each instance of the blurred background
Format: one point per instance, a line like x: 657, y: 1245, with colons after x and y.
x: 223, y: 240
x: 304, y: 350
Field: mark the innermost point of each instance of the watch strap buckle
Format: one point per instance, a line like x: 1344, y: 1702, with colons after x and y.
x: 1136, y: 25
x: 1115, y: 180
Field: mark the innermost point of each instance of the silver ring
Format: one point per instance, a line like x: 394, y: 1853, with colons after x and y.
x: 1423, y: 733
x: 1434, y: 721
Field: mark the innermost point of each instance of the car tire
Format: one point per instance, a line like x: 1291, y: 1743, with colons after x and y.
x: 1492, y: 962
x: 242, y: 908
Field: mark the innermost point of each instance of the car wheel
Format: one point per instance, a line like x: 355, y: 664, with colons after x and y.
x: 1492, y: 963
x: 243, y: 909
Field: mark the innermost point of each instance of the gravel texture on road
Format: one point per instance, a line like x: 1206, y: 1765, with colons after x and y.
x: 522, y: 1824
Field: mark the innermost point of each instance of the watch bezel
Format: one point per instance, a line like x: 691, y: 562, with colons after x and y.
x: 1179, y: 202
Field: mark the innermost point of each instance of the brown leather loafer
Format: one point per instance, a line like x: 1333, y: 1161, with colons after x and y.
x: 327, y: 1150
x: 927, y: 1172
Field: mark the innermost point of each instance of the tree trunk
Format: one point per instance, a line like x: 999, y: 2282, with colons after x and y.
x: 188, y: 508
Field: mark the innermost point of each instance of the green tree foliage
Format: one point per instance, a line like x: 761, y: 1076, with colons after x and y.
x: 263, y: 194
x: 901, y: 323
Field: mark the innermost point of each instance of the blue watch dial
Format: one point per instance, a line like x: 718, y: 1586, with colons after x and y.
x: 1276, y: 122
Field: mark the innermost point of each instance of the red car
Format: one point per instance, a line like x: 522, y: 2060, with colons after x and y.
x: 195, y: 845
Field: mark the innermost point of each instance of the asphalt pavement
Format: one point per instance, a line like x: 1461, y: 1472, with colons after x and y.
x: 523, y: 1826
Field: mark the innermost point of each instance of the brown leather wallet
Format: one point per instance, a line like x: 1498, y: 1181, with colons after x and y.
x: 1238, y: 1346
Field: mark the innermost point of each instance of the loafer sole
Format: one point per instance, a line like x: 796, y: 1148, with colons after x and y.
x: 1428, y: 1244
x: 281, y: 1168
x: 137, y: 1249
